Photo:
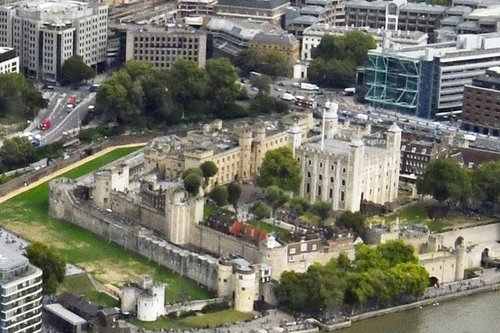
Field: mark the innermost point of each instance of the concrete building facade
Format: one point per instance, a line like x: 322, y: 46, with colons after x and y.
x: 46, y: 33
x: 346, y: 166
x: 258, y: 10
x: 21, y: 296
x: 481, y: 110
x: 186, y: 8
x: 163, y: 47
x: 9, y: 61
x: 286, y: 43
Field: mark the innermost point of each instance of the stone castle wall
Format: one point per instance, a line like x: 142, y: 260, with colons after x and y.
x: 62, y: 205
x: 221, y: 244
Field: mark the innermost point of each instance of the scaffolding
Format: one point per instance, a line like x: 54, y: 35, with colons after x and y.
x: 393, y: 81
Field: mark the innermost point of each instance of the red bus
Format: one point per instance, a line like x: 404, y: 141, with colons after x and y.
x: 44, y: 124
x: 71, y: 100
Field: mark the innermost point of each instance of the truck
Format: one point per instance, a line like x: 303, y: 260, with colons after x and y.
x: 287, y: 97
x: 349, y: 91
x: 306, y: 102
x: 308, y: 86
x: 470, y: 137
x: 45, y: 124
x: 362, y: 116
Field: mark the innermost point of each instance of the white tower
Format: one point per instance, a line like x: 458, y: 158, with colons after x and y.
x: 330, y: 119
x: 295, y: 137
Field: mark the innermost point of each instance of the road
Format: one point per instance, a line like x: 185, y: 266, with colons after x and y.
x: 349, y: 108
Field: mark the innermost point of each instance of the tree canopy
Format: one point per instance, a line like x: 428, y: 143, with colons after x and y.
x: 261, y: 210
x: 75, y: 70
x: 234, y: 193
x: 487, y: 182
x: 208, y: 169
x: 269, y: 62
x: 445, y: 179
x: 385, y: 275
x: 219, y: 195
x: 19, y: 98
x: 279, y: 168
x: 336, y: 58
x: 50, y: 261
x: 17, y: 152
x: 353, y: 221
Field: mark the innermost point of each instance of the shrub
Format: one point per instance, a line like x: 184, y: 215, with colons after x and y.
x: 215, y: 307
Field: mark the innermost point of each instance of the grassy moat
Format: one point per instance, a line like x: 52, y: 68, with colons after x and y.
x: 27, y: 216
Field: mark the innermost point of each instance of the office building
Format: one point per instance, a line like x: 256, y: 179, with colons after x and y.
x: 21, y: 296
x: 394, y: 15
x: 429, y: 81
x: 186, y: 8
x: 46, y: 33
x: 164, y: 46
x: 481, y: 110
x: 286, y: 43
x: 260, y: 10
x: 228, y: 37
x: 9, y: 61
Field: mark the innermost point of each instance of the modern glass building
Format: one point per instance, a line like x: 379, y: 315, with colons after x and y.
x: 429, y: 81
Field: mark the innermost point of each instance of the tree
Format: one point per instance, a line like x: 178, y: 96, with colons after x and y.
x: 192, y: 183
x: 208, y: 169
x: 50, y: 261
x: 445, y: 179
x: 280, y: 168
x: 276, y: 63
x: 487, y: 181
x: 262, y: 82
x: 337, y: 57
x: 323, y: 209
x: 299, y: 205
x: 446, y: 3
x: 222, y: 90
x: 260, y: 210
x: 17, y: 152
x: 196, y: 171
x: 186, y: 82
x: 352, y: 221
x: 234, y: 194
x: 75, y: 70
x: 219, y: 195
x: 269, y: 62
x: 397, y: 252
x: 19, y: 98
x: 276, y: 196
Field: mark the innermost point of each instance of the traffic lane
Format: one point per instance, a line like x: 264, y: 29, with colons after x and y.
x: 70, y: 121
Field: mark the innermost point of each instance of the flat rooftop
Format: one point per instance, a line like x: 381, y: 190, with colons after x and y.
x: 62, y: 312
x: 10, y: 260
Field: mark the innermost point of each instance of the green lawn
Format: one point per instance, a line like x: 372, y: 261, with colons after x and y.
x: 80, y: 285
x: 280, y: 232
x: 208, y: 209
x: 27, y: 215
x: 214, y: 319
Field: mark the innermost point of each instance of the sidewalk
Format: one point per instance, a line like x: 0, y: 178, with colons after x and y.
x: 64, y: 170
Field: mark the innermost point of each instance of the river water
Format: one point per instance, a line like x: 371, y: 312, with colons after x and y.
x: 474, y: 314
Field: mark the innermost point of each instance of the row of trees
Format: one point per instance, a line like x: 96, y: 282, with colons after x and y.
x: 138, y: 92
x: 51, y: 262
x: 383, y: 276
x: 447, y: 181
x: 19, y: 98
x: 336, y: 59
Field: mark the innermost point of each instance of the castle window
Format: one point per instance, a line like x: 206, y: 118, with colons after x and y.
x: 343, y: 182
x: 321, y: 165
x: 343, y: 170
x: 319, y: 190
x: 331, y: 194
x: 342, y: 196
x: 320, y: 177
x: 308, y: 175
x: 292, y: 250
x: 243, y: 288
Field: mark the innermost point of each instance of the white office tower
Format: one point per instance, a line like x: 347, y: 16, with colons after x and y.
x: 21, y: 294
x: 47, y: 32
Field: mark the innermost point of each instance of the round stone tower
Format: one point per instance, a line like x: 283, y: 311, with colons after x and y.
x: 244, y: 289
x: 225, y: 278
